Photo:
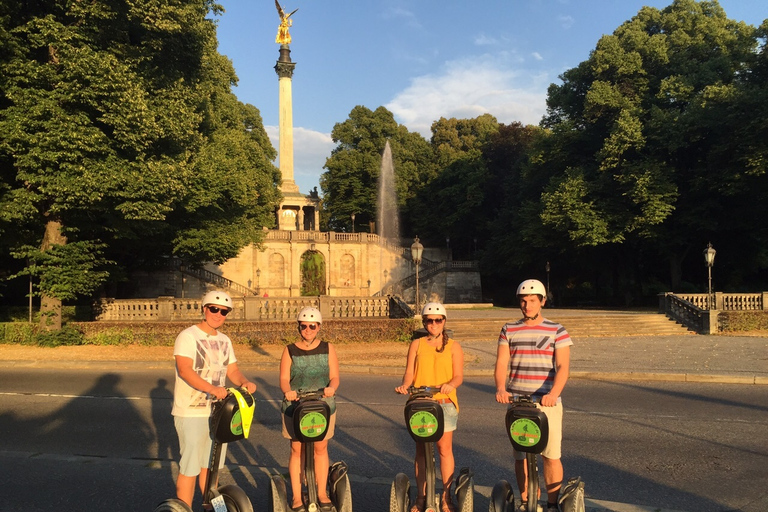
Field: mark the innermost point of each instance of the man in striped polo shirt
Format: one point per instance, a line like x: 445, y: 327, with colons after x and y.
x: 533, y: 358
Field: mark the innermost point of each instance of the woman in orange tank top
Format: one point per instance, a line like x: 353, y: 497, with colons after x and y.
x: 436, y: 360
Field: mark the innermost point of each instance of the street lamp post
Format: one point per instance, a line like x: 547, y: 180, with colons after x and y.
x: 709, y: 258
x: 353, y: 222
x: 416, y: 250
x: 548, y: 267
x: 448, y: 248
x: 258, y: 281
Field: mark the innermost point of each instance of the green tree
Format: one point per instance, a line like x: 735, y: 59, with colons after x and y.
x: 120, y: 138
x: 452, y: 204
x: 639, y: 153
x: 350, y: 183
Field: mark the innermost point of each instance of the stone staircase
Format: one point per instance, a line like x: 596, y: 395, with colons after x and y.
x: 467, y: 326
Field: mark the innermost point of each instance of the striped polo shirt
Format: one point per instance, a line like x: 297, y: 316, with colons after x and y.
x: 532, y: 355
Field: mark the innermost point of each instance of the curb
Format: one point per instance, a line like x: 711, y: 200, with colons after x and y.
x: 713, y: 378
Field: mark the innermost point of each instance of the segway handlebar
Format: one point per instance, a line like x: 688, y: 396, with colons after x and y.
x: 423, y: 391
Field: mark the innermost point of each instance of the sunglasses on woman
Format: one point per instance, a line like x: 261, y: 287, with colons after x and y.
x: 312, y: 327
x: 223, y: 311
x: 429, y: 321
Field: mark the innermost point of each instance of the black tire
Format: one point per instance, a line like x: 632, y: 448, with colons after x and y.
x: 277, y: 494
x: 465, y: 491
x: 172, y: 505
x: 235, y: 499
x: 502, y: 497
x: 399, y: 494
x: 341, y: 491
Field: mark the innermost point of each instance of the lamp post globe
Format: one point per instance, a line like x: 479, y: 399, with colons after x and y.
x: 416, y: 251
x: 709, y: 258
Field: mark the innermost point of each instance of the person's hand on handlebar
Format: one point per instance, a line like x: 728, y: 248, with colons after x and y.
x: 502, y: 396
x: 329, y: 391
x: 402, y: 389
x: 291, y: 395
x: 218, y: 392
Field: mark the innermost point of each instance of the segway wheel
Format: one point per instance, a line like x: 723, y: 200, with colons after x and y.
x: 277, y: 494
x: 341, y: 491
x: 235, y: 499
x: 502, y: 497
x: 465, y: 491
x: 173, y: 505
x: 399, y: 495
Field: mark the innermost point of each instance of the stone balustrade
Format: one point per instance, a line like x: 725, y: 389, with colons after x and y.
x: 693, y: 309
x: 169, y: 309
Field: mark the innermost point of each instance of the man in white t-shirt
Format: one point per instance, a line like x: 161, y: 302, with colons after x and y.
x: 204, y: 359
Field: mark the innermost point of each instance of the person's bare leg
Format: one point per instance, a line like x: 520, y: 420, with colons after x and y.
x: 553, y: 477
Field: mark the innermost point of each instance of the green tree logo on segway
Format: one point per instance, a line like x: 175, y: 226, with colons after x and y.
x: 313, y: 424
x: 525, y: 431
x: 423, y: 424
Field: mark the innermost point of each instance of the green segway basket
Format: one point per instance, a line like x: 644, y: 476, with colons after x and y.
x: 310, y: 420
x: 527, y: 427
x: 231, y: 417
x: 424, y: 420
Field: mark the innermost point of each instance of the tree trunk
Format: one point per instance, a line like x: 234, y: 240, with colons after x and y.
x: 50, y: 307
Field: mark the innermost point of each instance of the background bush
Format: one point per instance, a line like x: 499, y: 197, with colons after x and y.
x: 164, y: 333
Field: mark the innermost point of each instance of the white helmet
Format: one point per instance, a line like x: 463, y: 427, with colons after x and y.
x: 531, y: 287
x: 310, y: 314
x: 217, y: 298
x: 434, y: 308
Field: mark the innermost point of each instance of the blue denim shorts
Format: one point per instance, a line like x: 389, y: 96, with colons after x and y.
x: 450, y: 416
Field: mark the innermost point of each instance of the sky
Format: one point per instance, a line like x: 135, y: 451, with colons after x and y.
x: 420, y: 59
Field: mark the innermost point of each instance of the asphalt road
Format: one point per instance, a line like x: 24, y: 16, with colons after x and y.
x: 94, y: 440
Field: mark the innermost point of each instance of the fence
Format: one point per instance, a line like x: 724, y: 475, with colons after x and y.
x: 693, y: 311
x: 168, y: 309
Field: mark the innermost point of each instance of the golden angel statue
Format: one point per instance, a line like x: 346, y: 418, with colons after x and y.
x: 283, y: 37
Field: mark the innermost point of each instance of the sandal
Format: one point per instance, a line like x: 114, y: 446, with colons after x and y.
x: 446, y: 505
x: 327, y: 507
x: 419, y: 504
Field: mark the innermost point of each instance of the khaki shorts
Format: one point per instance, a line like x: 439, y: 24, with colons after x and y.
x: 288, y: 432
x: 195, y: 445
x: 554, y: 444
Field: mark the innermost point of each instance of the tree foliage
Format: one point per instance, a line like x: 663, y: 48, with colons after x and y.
x: 118, y: 128
x: 350, y: 183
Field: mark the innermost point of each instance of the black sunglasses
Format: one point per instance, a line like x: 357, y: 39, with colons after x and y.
x: 312, y: 327
x: 434, y: 320
x: 223, y: 311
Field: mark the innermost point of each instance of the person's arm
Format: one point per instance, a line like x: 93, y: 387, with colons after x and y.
x: 190, y: 376
x: 410, y: 367
x: 333, y: 372
x: 457, y: 362
x: 285, y: 376
x: 238, y: 379
x: 500, y: 373
x: 562, y: 371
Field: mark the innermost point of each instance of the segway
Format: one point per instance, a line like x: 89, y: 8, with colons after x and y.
x: 425, y: 424
x: 528, y: 431
x: 230, y: 421
x: 310, y: 423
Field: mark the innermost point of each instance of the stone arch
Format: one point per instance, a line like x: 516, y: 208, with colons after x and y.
x: 347, y: 270
x: 313, y: 273
x: 276, y: 270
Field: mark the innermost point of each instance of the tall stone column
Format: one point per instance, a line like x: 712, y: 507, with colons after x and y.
x: 284, y: 69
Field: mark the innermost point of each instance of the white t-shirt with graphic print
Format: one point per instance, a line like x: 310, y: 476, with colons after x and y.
x: 210, y: 357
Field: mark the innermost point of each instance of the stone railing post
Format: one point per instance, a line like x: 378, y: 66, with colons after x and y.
x: 663, y: 302
x: 764, y: 301
x: 719, y: 301
x: 164, y: 309
x: 709, y: 321
x: 325, y: 306
x: 252, y: 310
